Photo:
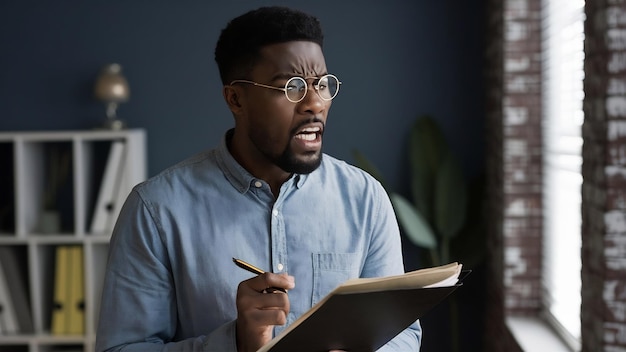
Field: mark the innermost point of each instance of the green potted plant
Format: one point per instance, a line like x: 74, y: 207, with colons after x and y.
x: 442, y: 214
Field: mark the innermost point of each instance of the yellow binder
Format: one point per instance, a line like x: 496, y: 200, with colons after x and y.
x: 68, y: 311
x: 76, y: 324
x: 61, y: 289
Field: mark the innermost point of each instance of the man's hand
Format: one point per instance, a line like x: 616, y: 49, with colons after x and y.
x: 258, y: 311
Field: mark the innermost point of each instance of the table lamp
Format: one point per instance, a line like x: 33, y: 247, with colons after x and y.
x: 112, y: 88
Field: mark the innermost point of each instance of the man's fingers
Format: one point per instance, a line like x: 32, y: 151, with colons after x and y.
x: 271, y: 281
x: 259, y: 300
x: 268, y: 316
x: 257, y: 311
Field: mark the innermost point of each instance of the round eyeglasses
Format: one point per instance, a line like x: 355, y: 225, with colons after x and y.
x: 296, y: 88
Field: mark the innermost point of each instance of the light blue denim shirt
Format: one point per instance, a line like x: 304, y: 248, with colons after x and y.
x: 171, y: 284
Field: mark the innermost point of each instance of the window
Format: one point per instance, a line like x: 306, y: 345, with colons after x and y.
x: 562, y: 98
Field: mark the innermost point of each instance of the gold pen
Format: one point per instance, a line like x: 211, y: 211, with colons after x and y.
x: 253, y: 269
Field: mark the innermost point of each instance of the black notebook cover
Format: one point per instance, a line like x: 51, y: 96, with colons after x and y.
x: 362, y: 321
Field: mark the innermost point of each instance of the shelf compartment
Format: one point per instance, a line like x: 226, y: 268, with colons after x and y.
x: 93, y: 161
x: 72, y: 279
x: 14, y: 269
x: 62, y: 347
x: 45, y: 187
x: 7, y: 182
x: 96, y: 265
x: 14, y: 347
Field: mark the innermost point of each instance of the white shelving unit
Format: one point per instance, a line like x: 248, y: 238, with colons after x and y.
x: 31, y: 177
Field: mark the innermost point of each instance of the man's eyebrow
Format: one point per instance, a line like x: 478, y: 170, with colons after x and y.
x: 286, y: 76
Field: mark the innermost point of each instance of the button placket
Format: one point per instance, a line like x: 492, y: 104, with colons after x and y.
x: 278, y: 239
x: 278, y: 232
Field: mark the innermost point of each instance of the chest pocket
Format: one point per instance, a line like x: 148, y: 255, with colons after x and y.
x: 330, y: 270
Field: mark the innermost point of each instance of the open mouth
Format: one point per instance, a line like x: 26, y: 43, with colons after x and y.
x: 309, y: 133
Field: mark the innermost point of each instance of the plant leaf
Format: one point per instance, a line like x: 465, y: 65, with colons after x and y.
x: 363, y: 163
x: 415, y: 226
x: 426, y: 147
x: 450, y: 197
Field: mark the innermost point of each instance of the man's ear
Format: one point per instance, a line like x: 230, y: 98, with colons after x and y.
x: 232, y: 98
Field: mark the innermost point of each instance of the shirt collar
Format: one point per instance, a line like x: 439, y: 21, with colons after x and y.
x: 239, y: 177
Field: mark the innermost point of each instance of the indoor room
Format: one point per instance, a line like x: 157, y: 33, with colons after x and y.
x: 497, y: 142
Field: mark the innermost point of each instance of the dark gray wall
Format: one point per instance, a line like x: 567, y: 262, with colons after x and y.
x: 398, y: 59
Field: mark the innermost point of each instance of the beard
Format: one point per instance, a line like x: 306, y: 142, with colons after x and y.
x: 289, y: 162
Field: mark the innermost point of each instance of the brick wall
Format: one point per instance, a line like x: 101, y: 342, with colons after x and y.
x: 513, y: 76
x: 514, y: 170
x: 604, y: 174
x: 522, y: 155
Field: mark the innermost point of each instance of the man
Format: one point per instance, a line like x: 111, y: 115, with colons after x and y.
x: 267, y: 195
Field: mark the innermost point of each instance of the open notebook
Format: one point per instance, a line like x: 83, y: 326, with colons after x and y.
x: 363, y: 314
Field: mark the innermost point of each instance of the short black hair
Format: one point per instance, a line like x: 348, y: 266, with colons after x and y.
x: 239, y: 44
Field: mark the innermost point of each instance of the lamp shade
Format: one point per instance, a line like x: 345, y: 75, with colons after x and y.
x: 111, y: 86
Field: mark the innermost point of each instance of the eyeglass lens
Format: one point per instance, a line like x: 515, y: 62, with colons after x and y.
x: 327, y: 87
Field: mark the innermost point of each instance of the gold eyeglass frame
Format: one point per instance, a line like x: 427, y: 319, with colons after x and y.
x: 316, y: 86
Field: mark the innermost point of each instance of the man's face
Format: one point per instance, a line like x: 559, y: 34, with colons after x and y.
x: 280, y: 132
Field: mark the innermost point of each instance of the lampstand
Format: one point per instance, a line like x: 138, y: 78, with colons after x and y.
x: 112, y: 88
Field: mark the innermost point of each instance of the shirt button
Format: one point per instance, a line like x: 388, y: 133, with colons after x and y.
x: 275, y: 212
x: 258, y: 184
x: 280, y: 267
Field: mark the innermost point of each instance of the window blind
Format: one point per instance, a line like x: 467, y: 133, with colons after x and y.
x: 562, y: 118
